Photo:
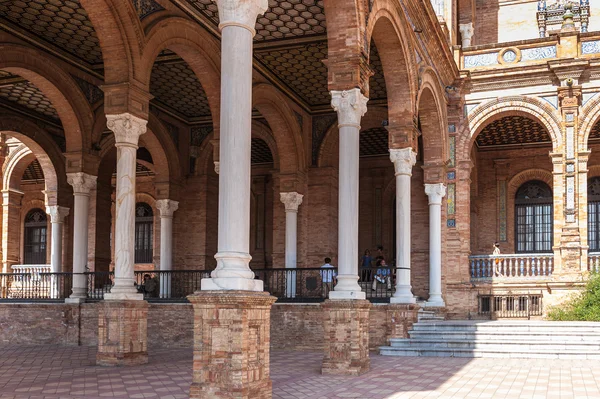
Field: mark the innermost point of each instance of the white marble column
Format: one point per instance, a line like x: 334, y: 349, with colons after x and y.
x: 466, y: 33
x: 166, y: 207
x: 350, y: 106
x: 127, y: 129
x: 82, y: 184
x: 435, y: 192
x: 57, y: 219
x: 237, y: 20
x: 404, y: 160
x: 292, y: 201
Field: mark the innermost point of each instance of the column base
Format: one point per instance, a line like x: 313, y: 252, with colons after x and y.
x: 346, y: 333
x: 401, y: 318
x: 231, y: 345
x: 122, y: 333
x: 403, y: 295
x: 435, y: 302
x: 347, y: 295
x: 74, y: 300
x: 231, y: 284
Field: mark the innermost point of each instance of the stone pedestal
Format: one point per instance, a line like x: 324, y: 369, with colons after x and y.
x: 346, y: 330
x: 231, y: 345
x: 122, y: 333
x: 401, y: 318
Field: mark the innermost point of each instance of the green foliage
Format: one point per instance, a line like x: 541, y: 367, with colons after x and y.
x: 584, y: 306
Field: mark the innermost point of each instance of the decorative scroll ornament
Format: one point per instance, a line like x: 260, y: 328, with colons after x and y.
x: 291, y: 200
x: 167, y: 207
x: 82, y: 182
x: 435, y: 192
x: 404, y: 159
x: 57, y: 213
x: 240, y: 13
x: 350, y: 106
x: 127, y: 128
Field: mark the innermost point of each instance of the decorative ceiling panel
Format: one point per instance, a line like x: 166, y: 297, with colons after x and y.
x: 377, y: 89
x: 374, y: 142
x: 62, y: 23
x: 301, y: 68
x: 27, y: 95
x: 511, y: 130
x: 33, y: 171
x: 283, y: 19
x: 261, y: 153
x: 176, y: 85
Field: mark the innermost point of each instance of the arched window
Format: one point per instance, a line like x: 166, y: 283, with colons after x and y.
x: 143, y: 233
x: 36, y: 224
x: 594, y: 214
x: 533, y: 217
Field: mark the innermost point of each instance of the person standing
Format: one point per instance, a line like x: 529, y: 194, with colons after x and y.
x: 328, y: 276
x: 365, y: 264
x: 495, y: 254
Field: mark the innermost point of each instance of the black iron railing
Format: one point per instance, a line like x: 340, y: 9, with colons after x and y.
x: 511, y: 306
x: 288, y: 285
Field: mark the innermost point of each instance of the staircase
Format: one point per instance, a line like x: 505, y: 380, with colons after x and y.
x: 504, y: 339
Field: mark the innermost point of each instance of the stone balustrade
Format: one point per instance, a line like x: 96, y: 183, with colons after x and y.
x: 594, y: 262
x: 512, y: 266
x: 31, y: 269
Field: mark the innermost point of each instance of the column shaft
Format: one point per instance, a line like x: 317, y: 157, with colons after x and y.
x: 233, y: 257
x: 292, y: 201
x: 350, y: 105
x: 435, y: 192
x: 403, y: 159
x: 166, y: 208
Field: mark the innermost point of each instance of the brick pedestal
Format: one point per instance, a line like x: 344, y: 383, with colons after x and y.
x: 346, y: 343
x: 231, y: 345
x: 122, y: 333
x: 400, y: 318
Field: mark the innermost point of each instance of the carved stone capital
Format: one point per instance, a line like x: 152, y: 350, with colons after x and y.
x: 167, y: 207
x: 242, y: 13
x: 82, y: 182
x: 291, y: 200
x: 350, y: 106
x: 435, y: 192
x: 404, y: 159
x: 57, y: 213
x: 127, y: 129
x: 466, y: 33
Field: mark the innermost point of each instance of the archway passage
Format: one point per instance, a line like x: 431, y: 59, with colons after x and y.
x: 510, y: 150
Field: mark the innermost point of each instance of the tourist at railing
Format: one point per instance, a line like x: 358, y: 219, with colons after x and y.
x: 382, y: 276
x: 365, y: 266
x: 328, y: 276
x: 496, y: 252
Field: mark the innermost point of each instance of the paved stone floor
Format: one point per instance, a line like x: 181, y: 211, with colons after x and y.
x: 57, y: 373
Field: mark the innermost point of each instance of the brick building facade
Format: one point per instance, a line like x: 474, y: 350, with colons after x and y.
x: 354, y: 124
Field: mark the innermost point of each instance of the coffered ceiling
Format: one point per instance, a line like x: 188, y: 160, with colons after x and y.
x: 513, y: 130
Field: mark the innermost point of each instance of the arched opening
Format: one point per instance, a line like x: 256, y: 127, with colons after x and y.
x: 533, y: 218
x: 594, y: 214
x: 144, y: 228
x: 35, y: 241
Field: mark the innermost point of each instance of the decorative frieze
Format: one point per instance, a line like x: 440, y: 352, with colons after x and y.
x: 481, y: 60
x: 591, y: 47
x: 538, y: 53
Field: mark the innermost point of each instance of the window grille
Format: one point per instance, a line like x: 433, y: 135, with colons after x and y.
x: 533, y: 218
x: 594, y: 214
x: 144, y: 223
x: 34, y: 243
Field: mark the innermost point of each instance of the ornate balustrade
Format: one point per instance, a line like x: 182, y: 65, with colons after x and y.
x: 513, y: 266
x: 594, y: 262
x: 31, y: 269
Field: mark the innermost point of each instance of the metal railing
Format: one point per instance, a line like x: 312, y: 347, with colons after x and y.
x: 35, y: 286
x: 288, y: 285
x: 514, y: 306
x: 514, y: 266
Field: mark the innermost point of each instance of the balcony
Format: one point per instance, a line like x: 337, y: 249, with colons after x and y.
x: 511, y: 267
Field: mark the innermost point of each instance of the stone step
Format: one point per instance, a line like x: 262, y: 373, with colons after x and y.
x: 507, y: 327
x: 490, y: 353
x: 507, y: 344
x: 491, y: 335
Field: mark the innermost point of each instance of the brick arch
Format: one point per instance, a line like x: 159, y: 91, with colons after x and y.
x: 205, y: 155
x: 120, y: 35
x: 200, y: 50
x: 56, y: 84
x: 329, y: 150
x: 527, y: 175
x: 286, y: 130
x: 45, y: 150
x: 590, y: 116
x: 387, y: 28
x: 490, y: 111
x: 432, y: 116
x: 593, y: 171
x: 14, y: 166
x: 265, y: 134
